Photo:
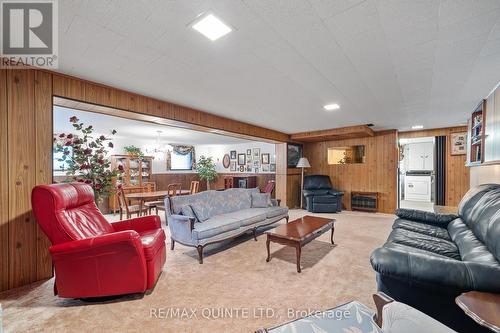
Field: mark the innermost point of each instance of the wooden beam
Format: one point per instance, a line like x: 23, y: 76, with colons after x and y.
x: 101, y: 95
x: 350, y: 132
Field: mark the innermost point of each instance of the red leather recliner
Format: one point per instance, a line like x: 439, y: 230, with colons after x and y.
x: 93, y: 258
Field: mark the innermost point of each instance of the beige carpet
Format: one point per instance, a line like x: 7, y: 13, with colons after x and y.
x: 235, y: 290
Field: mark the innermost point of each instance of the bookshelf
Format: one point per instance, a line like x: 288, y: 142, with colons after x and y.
x: 476, y: 134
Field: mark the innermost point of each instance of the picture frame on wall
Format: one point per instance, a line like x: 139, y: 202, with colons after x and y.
x: 264, y: 158
x: 233, y: 166
x: 293, y: 154
x: 249, y: 167
x: 458, y: 142
x: 265, y: 168
x: 256, y: 153
x: 256, y: 170
x: 242, y: 159
x: 226, y: 161
x: 233, y: 154
x: 242, y: 168
x: 249, y: 152
x: 256, y: 163
x: 272, y: 167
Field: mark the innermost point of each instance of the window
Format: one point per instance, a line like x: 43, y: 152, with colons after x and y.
x: 181, y: 162
x: 59, y: 165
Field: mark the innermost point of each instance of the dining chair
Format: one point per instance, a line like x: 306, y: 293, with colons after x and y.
x: 126, y: 208
x: 269, y: 188
x: 173, y: 190
x: 195, y: 187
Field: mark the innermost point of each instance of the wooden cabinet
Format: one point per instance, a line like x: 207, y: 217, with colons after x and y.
x: 136, y: 174
x: 421, y: 156
x: 240, y: 182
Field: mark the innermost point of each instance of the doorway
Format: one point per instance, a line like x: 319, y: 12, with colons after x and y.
x: 417, y: 173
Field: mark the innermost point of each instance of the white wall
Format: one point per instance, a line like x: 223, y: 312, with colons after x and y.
x: 217, y: 153
x: 485, y: 174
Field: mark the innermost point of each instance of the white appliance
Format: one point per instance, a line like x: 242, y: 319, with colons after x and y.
x: 418, y: 187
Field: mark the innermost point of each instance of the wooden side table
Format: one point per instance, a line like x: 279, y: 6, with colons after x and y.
x: 484, y: 308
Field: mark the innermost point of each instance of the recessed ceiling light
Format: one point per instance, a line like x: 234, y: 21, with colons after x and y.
x: 211, y: 27
x: 415, y: 127
x: 331, y: 107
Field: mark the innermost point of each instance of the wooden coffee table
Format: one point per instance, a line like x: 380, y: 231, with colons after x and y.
x: 298, y: 233
x: 483, y: 307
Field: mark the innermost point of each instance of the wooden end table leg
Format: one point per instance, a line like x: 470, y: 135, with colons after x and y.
x: 268, y: 242
x: 333, y: 230
x: 298, y: 250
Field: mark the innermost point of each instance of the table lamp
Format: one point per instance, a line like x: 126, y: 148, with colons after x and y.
x: 303, y: 163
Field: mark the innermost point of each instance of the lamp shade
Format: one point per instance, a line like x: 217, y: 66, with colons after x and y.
x: 303, y: 163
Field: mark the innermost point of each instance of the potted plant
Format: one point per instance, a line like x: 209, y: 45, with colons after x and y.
x: 85, y: 158
x: 133, y: 151
x: 206, y: 169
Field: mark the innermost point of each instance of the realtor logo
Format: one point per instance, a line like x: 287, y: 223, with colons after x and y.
x: 29, y: 33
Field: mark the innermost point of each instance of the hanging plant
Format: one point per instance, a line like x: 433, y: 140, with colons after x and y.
x: 85, y: 157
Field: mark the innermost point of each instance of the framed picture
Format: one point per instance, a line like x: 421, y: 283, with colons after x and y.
x: 293, y: 154
x: 265, y: 168
x: 256, y: 163
x: 249, y: 158
x: 256, y: 153
x: 272, y: 167
x: 233, y: 154
x: 256, y: 170
x: 242, y: 168
x: 249, y: 167
x: 265, y: 158
x: 242, y: 159
x: 458, y: 143
x: 249, y: 152
x: 226, y: 161
x: 233, y: 166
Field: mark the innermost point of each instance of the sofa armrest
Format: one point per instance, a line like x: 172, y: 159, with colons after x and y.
x: 399, y: 317
x: 138, y: 224
x: 432, y: 272
x: 276, y: 202
x: 426, y: 217
x: 181, y: 227
x: 335, y: 192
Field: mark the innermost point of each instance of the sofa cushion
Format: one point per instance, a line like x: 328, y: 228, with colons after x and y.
x: 248, y: 216
x: 423, y: 228
x: 152, y: 241
x: 424, y: 242
x: 261, y: 200
x: 276, y: 211
x: 187, y: 210
x: 471, y: 249
x: 214, y: 226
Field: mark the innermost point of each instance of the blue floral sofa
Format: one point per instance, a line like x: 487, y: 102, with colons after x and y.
x: 213, y: 216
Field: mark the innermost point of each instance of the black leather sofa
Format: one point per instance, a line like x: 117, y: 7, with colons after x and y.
x: 320, y: 196
x: 429, y: 259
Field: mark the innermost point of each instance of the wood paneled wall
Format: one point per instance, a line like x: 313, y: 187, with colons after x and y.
x: 26, y: 155
x: 457, y: 174
x: 293, y: 179
x: 377, y: 174
x: 162, y: 180
x: 26, y: 97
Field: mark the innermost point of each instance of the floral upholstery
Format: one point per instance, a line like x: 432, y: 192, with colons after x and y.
x: 221, y: 215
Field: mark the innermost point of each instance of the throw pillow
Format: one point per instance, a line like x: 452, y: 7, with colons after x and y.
x: 201, y: 211
x: 188, y: 211
x: 261, y: 200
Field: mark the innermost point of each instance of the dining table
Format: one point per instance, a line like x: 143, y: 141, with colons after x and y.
x: 151, y: 196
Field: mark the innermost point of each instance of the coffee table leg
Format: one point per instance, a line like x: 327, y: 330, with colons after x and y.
x: 333, y: 230
x: 298, y: 250
x: 268, y: 250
